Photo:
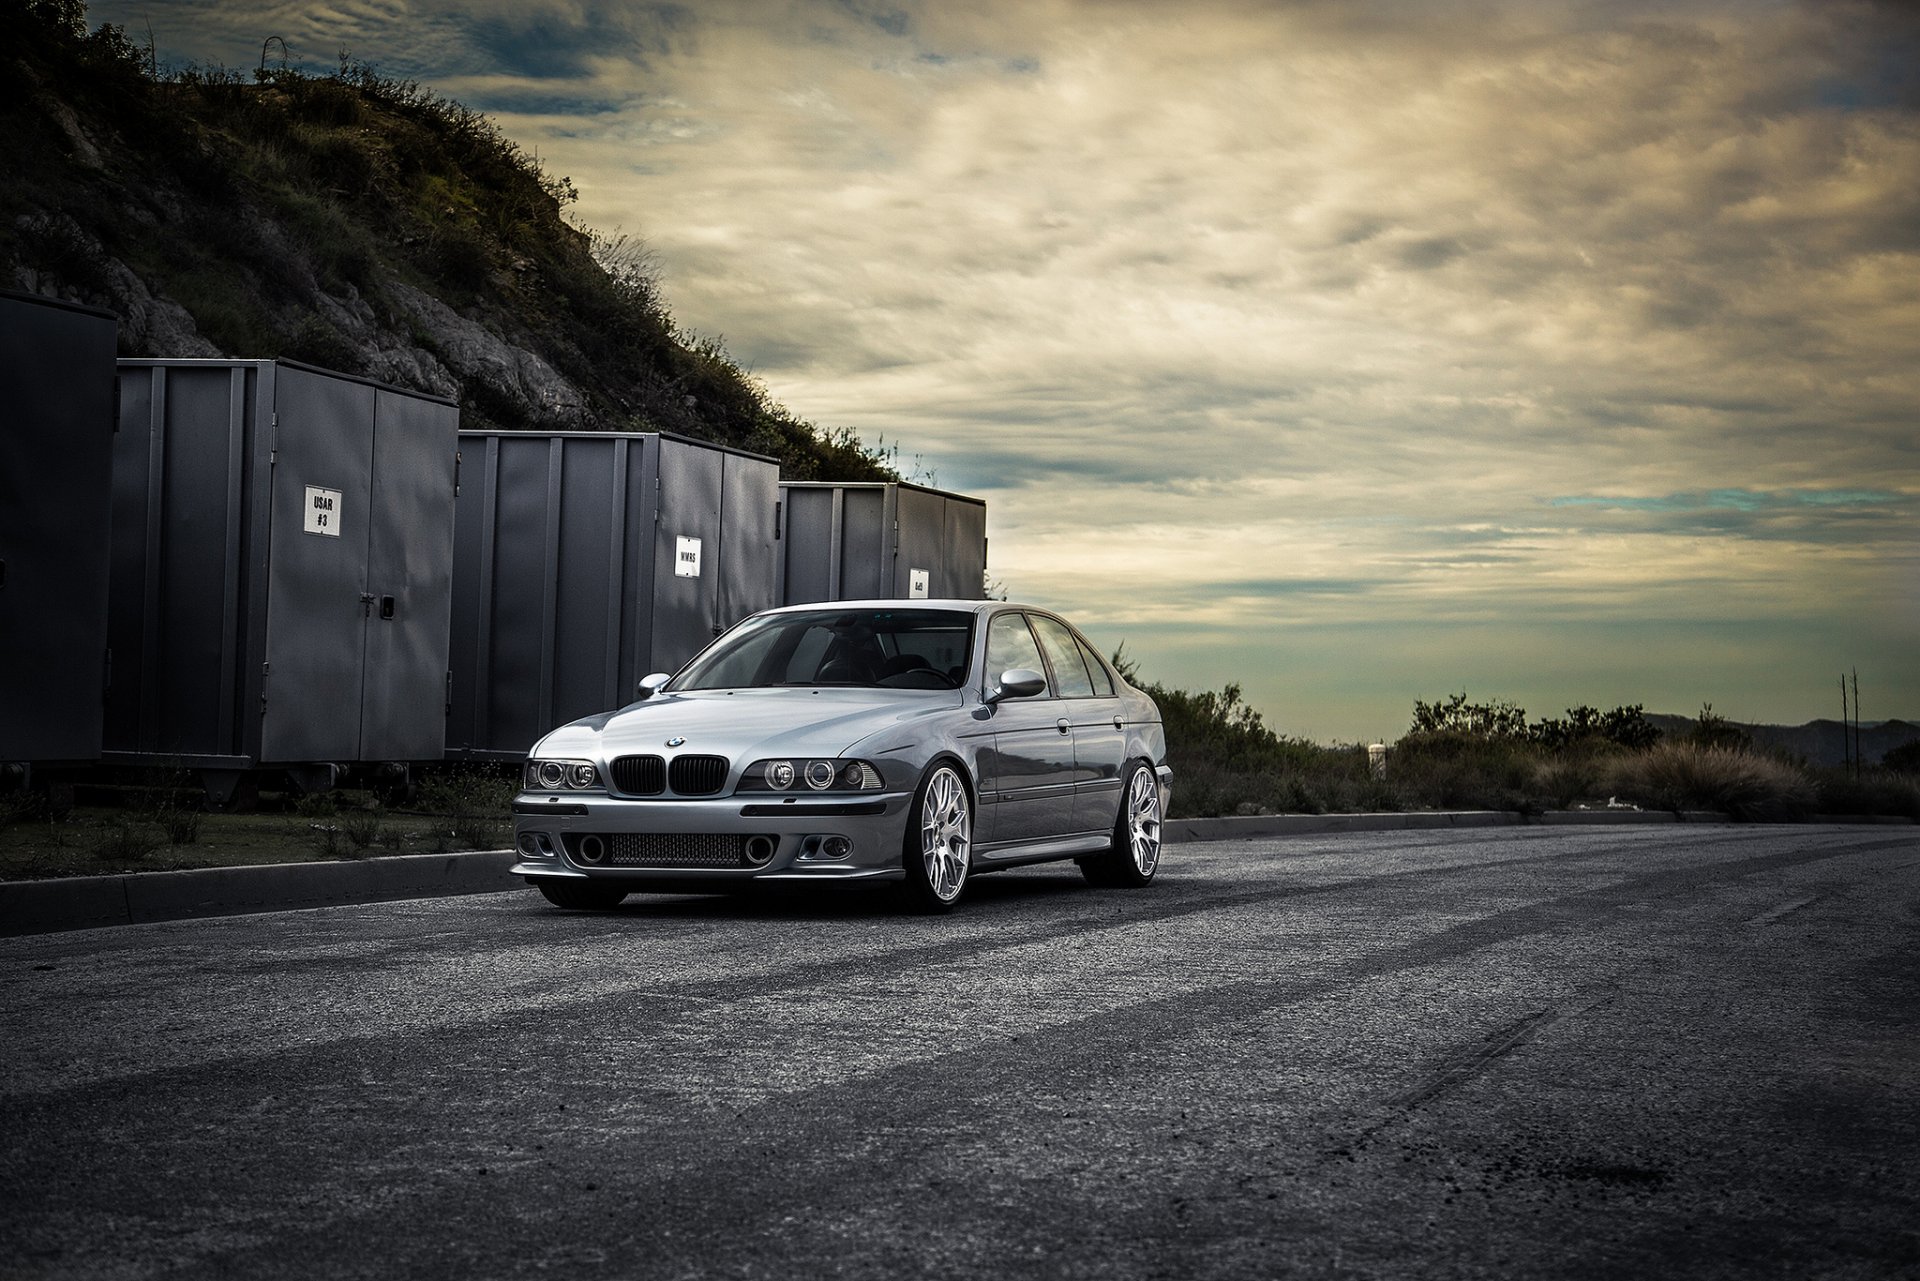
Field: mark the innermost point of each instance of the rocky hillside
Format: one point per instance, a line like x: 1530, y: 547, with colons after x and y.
x: 357, y: 223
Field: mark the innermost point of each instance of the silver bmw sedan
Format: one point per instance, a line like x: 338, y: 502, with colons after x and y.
x: 920, y: 742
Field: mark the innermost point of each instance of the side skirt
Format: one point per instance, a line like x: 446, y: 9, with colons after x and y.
x: 1041, y: 851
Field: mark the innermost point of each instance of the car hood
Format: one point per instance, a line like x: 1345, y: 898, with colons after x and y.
x: 748, y: 724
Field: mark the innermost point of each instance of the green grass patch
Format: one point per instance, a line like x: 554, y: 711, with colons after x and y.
x: 165, y: 827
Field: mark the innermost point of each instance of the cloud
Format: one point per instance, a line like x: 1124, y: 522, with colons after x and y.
x: 1551, y: 315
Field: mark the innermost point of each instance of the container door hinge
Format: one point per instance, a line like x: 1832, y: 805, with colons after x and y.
x: 266, y: 679
x: 456, y: 473
x: 273, y: 439
x: 449, y: 693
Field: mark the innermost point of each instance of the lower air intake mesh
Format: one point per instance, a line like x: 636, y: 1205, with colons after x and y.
x: 662, y: 849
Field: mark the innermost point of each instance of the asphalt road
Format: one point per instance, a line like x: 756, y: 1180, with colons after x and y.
x: 1523, y: 1052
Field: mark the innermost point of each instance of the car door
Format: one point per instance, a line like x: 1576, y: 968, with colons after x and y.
x: 1027, y: 770
x: 1086, y: 695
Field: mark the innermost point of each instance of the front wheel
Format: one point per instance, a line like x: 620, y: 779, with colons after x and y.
x: 1135, y: 853
x: 939, y: 841
x: 582, y: 896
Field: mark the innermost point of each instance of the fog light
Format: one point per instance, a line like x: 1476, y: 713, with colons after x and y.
x: 836, y: 847
x: 527, y: 844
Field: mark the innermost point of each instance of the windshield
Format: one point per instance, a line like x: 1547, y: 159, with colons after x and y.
x: 886, y: 649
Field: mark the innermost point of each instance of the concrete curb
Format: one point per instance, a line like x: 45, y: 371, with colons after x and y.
x: 136, y: 898
x: 83, y: 902
x: 1233, y: 829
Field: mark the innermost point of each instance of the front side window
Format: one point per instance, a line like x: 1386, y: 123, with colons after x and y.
x: 1010, y: 644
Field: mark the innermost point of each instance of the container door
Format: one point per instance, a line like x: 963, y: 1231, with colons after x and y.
x: 686, y: 604
x: 866, y: 548
x: 590, y: 569
x: 318, y: 602
x: 962, y: 574
x: 56, y: 380
x: 809, y: 544
x: 920, y: 534
x: 186, y: 556
x: 409, y: 577
x: 746, y: 584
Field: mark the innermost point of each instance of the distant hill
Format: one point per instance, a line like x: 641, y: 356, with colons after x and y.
x: 357, y: 223
x: 1818, y: 742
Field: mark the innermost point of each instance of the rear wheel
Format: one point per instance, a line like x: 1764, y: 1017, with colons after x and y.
x: 1135, y: 853
x: 582, y: 896
x: 939, y: 841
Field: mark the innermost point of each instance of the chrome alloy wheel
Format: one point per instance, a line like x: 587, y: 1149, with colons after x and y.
x: 1143, y: 821
x: 946, y: 833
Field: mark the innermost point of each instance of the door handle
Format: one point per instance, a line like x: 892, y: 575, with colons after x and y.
x: 386, y: 607
x: 1065, y: 725
x: 1119, y: 723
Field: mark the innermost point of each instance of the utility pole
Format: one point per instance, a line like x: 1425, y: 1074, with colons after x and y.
x: 1858, y: 760
x: 1846, y: 735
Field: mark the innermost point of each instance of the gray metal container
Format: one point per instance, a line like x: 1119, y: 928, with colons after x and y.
x: 56, y: 434
x: 282, y: 566
x: 883, y: 540
x: 585, y: 560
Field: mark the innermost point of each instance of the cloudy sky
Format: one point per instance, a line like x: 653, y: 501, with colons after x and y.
x: 1354, y: 352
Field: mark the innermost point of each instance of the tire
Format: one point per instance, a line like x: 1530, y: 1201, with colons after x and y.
x: 578, y: 896
x: 1135, y: 853
x: 939, y: 840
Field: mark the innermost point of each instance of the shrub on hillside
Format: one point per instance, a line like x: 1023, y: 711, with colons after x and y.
x: 1904, y: 759
x: 1454, y: 715
x: 1623, y: 726
x: 1685, y: 776
x: 1452, y: 769
x: 1874, y: 792
x: 1568, y: 779
x: 1710, y: 729
x: 1226, y: 759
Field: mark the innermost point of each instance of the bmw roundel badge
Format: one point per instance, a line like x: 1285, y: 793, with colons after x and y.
x: 676, y: 741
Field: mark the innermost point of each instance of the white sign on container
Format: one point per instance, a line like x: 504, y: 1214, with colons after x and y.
x: 323, y: 511
x: 918, y: 581
x: 686, y: 557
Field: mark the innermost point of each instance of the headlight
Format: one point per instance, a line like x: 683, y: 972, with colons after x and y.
x: 561, y: 776
x: 818, y: 774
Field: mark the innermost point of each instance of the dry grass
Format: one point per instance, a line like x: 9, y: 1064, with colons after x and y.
x: 1682, y: 776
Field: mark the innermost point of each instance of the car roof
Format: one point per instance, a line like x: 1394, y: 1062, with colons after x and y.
x: 971, y: 606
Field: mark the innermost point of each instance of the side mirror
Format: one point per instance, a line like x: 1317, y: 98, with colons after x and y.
x: 650, y: 685
x: 1018, y: 682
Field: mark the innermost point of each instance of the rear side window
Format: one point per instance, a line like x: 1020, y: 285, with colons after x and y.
x: 1102, y: 682
x: 1069, y: 668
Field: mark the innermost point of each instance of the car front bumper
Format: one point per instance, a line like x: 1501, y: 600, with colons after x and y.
x: 547, y: 828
